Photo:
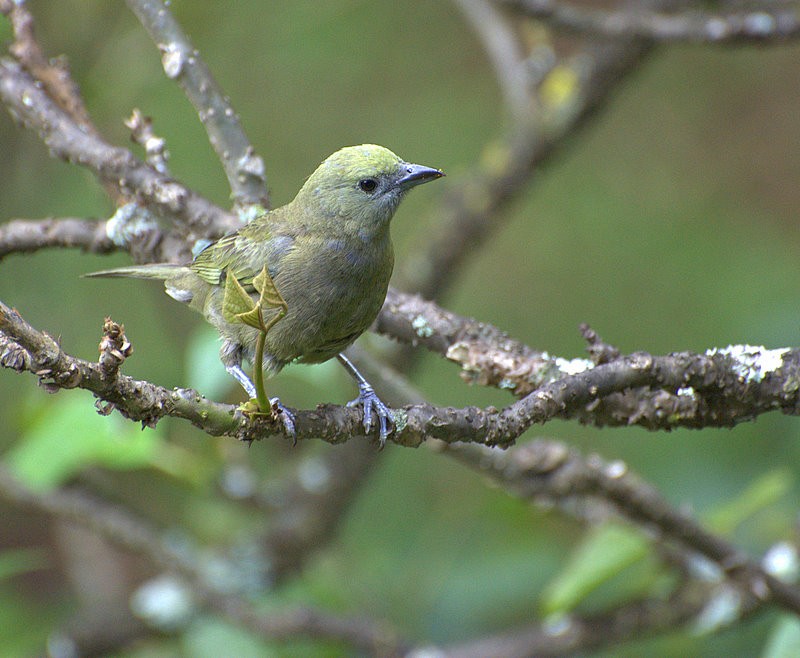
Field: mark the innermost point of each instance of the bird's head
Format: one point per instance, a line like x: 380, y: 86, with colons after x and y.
x: 362, y: 184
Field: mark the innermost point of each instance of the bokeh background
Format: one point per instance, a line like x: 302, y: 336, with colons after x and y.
x: 668, y: 223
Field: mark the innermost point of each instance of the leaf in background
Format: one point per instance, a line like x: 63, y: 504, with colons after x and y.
x: 69, y: 436
x: 784, y: 640
x: 22, y: 560
x: 763, y: 492
x: 209, y: 638
x: 204, y: 370
x: 603, y: 554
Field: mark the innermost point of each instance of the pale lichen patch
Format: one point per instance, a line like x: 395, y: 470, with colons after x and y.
x: 752, y: 362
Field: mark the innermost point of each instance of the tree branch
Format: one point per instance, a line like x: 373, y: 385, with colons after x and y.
x: 550, y: 470
x: 25, y: 235
x: 472, y: 209
x: 53, y: 74
x: 67, y: 140
x: 24, y: 348
x: 734, y: 385
x: 581, y: 633
x: 182, y: 62
x: 715, y: 389
x: 504, y: 52
x: 762, y: 23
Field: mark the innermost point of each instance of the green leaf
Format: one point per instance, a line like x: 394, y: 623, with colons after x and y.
x: 236, y: 303
x: 207, y: 638
x: 605, y: 552
x: 252, y: 318
x: 68, y: 436
x: 270, y: 297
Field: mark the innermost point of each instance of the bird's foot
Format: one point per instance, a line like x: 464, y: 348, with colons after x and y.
x: 374, y: 406
x: 286, y: 417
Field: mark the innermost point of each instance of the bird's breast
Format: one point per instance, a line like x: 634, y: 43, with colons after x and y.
x: 333, y: 293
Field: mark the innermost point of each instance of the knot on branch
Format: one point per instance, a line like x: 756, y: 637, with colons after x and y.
x: 599, y: 351
x: 14, y: 356
x: 155, y: 147
x: 114, y: 349
x: 52, y: 380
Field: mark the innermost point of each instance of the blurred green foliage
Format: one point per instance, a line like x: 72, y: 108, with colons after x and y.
x: 668, y: 224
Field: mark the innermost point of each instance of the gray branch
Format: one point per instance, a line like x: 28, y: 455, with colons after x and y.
x: 472, y: 209
x: 762, y: 22
x: 734, y: 387
x: 29, y: 103
x: 25, y: 236
x: 182, y: 63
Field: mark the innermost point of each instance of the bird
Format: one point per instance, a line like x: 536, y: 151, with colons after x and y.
x: 329, y: 255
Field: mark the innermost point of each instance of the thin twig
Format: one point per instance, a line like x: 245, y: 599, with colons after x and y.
x: 505, y: 54
x: 182, y: 63
x: 473, y: 209
x: 155, y: 147
x: 54, y: 76
x: 53, y: 73
x: 27, y: 235
x: 761, y: 23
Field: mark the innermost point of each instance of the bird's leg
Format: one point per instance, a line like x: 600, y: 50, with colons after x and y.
x: 241, y: 376
x: 370, y: 400
x: 287, y: 417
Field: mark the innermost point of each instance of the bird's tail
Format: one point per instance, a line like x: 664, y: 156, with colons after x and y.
x: 160, y: 271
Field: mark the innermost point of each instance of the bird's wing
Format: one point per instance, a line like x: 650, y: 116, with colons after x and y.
x: 210, y: 263
x: 244, y: 253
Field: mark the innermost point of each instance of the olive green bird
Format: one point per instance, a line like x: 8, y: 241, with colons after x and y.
x: 330, y: 257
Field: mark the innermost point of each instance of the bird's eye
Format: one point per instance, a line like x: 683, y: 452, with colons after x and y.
x: 368, y: 185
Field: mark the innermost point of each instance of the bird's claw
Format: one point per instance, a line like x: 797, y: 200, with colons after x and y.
x: 279, y: 412
x: 373, y: 405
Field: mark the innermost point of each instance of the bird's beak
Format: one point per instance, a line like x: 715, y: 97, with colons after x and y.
x: 414, y: 174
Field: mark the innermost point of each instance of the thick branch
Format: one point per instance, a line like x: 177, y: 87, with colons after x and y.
x: 24, y: 348
x: 487, y: 356
x: 764, y: 23
x: 716, y: 389
x: 732, y: 393
x: 243, y: 167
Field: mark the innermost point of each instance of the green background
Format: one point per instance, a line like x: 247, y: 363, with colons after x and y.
x: 669, y: 223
